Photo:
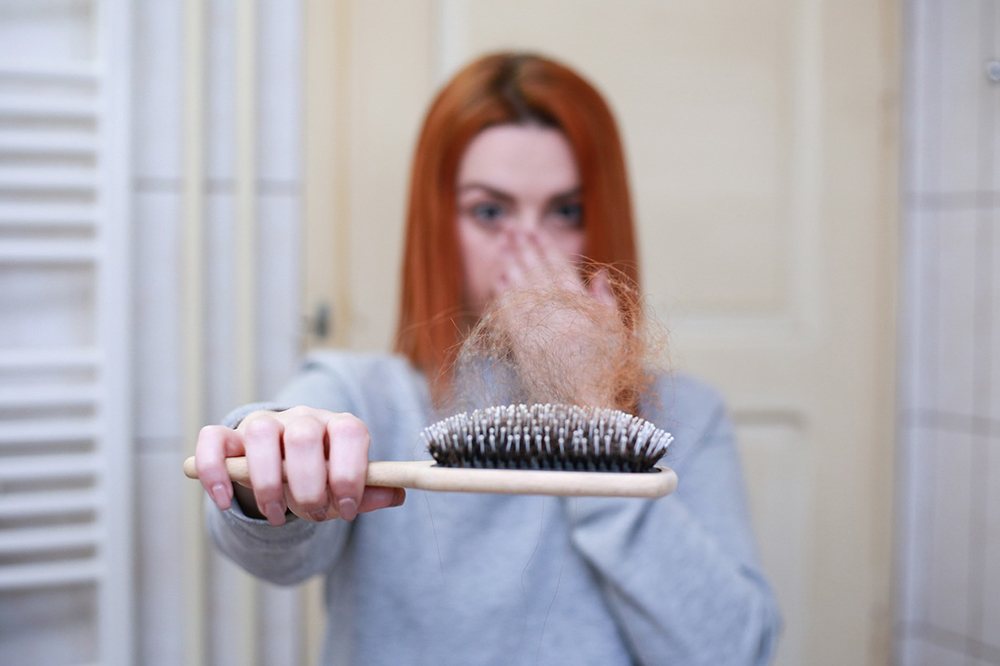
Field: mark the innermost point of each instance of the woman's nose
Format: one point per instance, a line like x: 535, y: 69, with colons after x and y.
x: 528, y: 222
x: 520, y: 232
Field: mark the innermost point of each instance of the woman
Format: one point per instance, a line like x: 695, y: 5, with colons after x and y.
x: 518, y: 176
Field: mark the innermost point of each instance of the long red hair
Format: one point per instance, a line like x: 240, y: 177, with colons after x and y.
x: 496, y: 89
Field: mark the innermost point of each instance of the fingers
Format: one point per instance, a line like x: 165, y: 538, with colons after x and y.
x: 348, y: 465
x: 325, y: 460
x: 564, y: 270
x: 524, y: 266
x: 305, y: 466
x: 375, y: 498
x: 512, y: 278
x: 539, y: 263
x: 600, y: 288
x: 262, y: 440
x: 531, y: 260
x: 215, y: 444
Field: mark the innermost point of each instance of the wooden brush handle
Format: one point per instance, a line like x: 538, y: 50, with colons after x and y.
x: 424, y: 475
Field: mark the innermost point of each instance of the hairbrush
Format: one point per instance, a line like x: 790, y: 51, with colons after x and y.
x: 528, y: 450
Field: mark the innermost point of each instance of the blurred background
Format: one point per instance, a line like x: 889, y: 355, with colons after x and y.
x: 193, y: 193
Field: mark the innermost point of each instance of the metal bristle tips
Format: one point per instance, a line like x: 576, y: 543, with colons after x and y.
x: 558, y: 437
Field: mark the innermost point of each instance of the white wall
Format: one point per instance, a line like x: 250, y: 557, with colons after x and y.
x: 949, y: 419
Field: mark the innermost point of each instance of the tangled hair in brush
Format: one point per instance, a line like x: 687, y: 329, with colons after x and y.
x: 517, y: 88
x: 559, y: 346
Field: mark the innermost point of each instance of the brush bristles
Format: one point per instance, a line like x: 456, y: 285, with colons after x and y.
x: 557, y: 437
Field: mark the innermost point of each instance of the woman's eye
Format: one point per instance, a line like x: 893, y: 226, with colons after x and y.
x: 570, y: 213
x: 487, y: 212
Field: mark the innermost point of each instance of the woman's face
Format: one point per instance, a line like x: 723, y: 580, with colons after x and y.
x: 518, y: 202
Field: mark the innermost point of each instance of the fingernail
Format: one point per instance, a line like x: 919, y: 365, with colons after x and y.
x: 399, y: 499
x: 221, y: 496
x: 275, y: 513
x: 319, y: 515
x: 347, y: 508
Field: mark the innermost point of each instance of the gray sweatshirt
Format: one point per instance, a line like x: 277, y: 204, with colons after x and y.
x: 451, y: 578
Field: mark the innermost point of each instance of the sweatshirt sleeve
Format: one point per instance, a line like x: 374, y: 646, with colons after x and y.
x: 681, y: 572
x: 292, y: 552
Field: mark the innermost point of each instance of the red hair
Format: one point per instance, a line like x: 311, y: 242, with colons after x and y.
x: 497, y: 89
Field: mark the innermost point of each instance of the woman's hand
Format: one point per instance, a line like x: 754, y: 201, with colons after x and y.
x: 534, y: 263
x: 326, y: 463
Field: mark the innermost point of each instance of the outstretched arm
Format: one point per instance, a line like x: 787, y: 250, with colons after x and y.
x: 286, y: 530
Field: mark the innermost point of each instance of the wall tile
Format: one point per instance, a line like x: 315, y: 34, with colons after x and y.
x: 279, y: 314
x: 986, y: 657
x: 956, y: 316
x: 156, y: 313
x: 281, y: 613
x: 990, y: 631
x: 157, y: 84
x: 921, y: 126
x: 949, y: 525
x: 946, y: 252
x: 920, y: 303
x: 994, y: 319
x: 962, y: 83
x: 917, y: 475
x: 220, y: 293
x: 280, y: 90
x: 231, y: 606
x: 991, y: 99
x: 920, y: 652
x: 221, y: 90
x: 907, y: 649
x: 984, y: 313
x: 160, y: 604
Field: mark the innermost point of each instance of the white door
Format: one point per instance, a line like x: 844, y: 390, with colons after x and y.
x: 761, y: 140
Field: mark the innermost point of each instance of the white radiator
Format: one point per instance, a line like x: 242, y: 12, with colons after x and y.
x: 65, y: 432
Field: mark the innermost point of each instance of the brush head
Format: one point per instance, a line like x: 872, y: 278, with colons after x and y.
x: 551, y: 437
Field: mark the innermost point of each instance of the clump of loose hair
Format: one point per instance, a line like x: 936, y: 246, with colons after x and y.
x: 556, y: 345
